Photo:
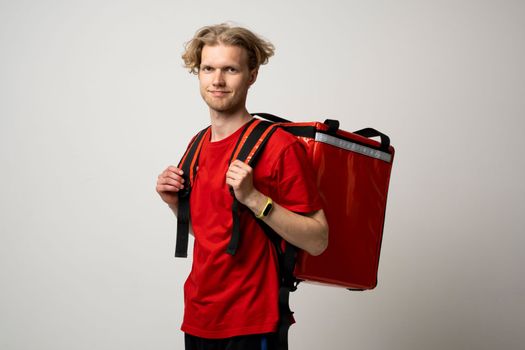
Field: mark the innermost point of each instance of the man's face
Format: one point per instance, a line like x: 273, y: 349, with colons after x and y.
x: 225, y: 78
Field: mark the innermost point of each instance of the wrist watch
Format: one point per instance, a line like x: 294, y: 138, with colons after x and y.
x: 266, y: 210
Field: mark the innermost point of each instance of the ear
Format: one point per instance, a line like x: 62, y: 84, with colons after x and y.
x: 253, y: 76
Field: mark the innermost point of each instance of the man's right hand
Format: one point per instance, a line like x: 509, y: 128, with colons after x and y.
x: 169, y: 183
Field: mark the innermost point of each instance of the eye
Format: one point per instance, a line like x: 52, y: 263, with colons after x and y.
x: 206, y: 69
x: 231, y: 70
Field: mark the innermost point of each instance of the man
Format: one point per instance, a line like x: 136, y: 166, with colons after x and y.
x: 231, y: 301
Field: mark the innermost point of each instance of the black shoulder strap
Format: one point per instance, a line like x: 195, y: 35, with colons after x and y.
x: 188, y: 164
x: 271, y: 117
x: 248, y: 149
x: 287, y: 257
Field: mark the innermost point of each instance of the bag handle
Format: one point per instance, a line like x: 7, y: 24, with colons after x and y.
x: 370, y: 132
x: 333, y: 126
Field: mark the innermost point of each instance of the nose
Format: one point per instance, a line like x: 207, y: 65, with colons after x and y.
x: 218, y: 78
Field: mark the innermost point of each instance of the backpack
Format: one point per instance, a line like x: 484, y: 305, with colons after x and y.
x: 352, y: 173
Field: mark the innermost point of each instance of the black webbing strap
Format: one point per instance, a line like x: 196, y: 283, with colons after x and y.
x: 370, y: 132
x: 288, y: 284
x: 183, y: 214
x: 249, y: 152
x: 236, y: 229
x: 234, y: 241
x: 183, y: 227
x: 286, y: 255
x: 271, y: 117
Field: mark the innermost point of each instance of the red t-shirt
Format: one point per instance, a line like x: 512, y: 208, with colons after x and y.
x: 225, y: 295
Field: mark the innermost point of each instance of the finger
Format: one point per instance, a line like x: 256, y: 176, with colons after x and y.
x: 172, y: 172
x: 230, y: 174
x: 235, y: 168
x: 175, y: 170
x: 241, y: 165
x: 236, y: 174
x: 169, y: 178
x: 233, y: 183
x: 167, y: 188
x: 171, y: 182
x: 175, y: 177
x: 171, y: 175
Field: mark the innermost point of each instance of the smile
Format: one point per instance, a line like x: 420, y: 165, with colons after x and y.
x: 218, y: 92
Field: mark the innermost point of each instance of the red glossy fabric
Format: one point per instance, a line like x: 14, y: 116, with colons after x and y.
x: 353, y: 189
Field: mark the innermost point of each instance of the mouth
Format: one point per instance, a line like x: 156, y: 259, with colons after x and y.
x: 218, y: 93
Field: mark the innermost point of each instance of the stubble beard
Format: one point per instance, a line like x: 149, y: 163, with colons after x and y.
x: 228, y: 104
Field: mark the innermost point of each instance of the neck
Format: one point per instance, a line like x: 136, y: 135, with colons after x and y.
x: 223, y: 124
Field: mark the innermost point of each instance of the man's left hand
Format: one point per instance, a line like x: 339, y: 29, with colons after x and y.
x: 240, y: 177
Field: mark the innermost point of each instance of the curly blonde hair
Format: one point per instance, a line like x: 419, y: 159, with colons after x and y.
x: 259, y: 50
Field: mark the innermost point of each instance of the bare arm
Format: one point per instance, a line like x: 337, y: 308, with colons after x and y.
x: 308, y: 232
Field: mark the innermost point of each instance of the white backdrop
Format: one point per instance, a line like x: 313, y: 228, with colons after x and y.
x: 94, y: 104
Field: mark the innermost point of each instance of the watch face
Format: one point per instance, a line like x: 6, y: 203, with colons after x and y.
x: 268, y: 209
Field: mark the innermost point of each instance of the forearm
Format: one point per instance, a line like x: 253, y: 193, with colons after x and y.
x: 174, y: 208
x: 308, y: 232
